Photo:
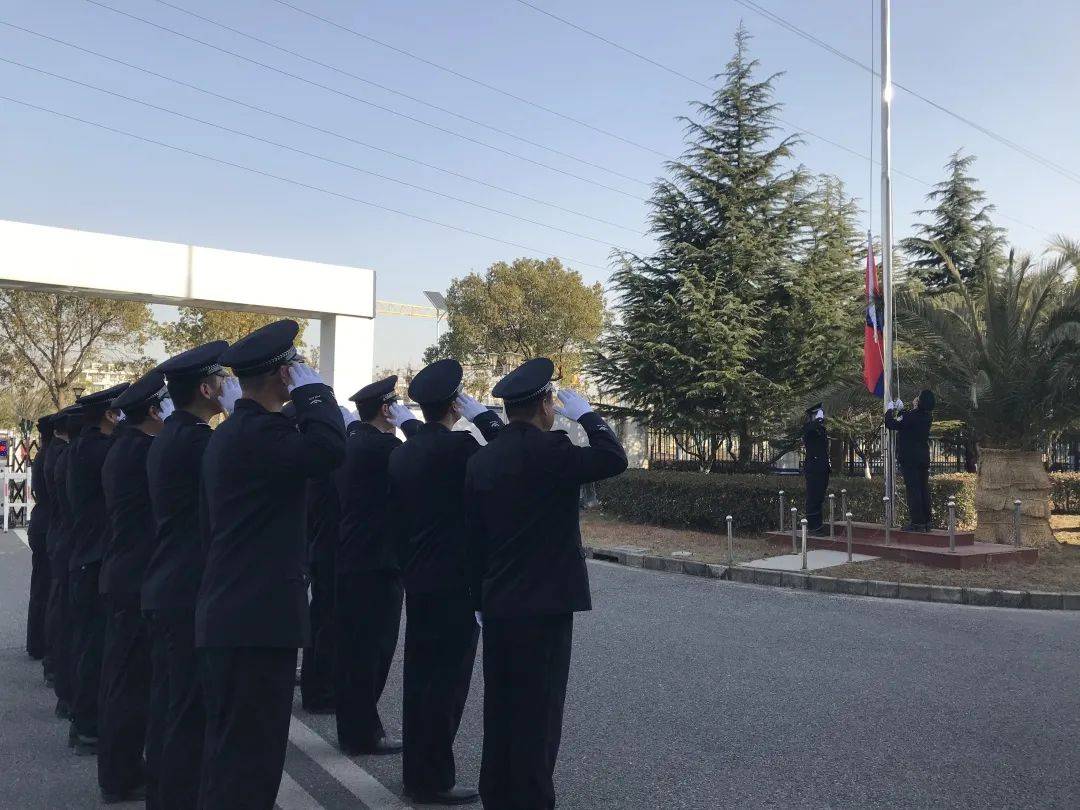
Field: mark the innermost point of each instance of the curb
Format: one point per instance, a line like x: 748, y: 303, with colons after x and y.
x: 942, y: 594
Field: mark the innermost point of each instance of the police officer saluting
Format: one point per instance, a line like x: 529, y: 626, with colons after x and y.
x: 816, y: 466
x: 527, y: 576
x: 91, y: 532
x: 427, y: 478
x: 369, y: 592
x: 199, y: 390
x: 252, y: 610
x: 125, y: 670
x: 912, y: 431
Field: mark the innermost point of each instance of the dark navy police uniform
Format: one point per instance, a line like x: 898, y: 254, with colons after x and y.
x: 37, y: 535
x: 816, y: 467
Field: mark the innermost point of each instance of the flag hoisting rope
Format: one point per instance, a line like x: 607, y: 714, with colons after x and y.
x: 887, y: 246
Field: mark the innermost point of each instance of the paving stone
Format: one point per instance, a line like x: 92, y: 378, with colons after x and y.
x: 855, y: 587
x: 825, y: 584
x: 919, y: 593
x: 695, y: 568
x: 767, y: 577
x: 719, y: 571
x: 1013, y: 599
x: 653, y: 563
x: 1039, y: 600
x: 947, y: 594
x: 1070, y: 601
x: 747, y: 575
x: 887, y: 590
x: 634, y: 560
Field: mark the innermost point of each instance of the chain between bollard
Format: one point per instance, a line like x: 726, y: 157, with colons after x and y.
x: 847, y: 517
x: 803, y: 544
x: 783, y: 503
x: 794, y: 529
x: 1016, y: 522
x: 730, y: 545
x: 888, y: 527
x: 832, y: 516
x: 952, y: 526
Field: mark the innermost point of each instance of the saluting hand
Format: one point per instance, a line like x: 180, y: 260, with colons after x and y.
x: 573, y: 405
x: 301, y: 374
x: 348, y: 416
x: 166, y: 408
x: 230, y: 392
x: 470, y: 408
x: 399, y: 414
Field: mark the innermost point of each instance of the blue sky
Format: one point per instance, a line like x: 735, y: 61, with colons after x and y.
x: 1010, y: 67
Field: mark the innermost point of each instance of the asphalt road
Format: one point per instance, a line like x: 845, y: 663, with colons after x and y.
x: 691, y: 693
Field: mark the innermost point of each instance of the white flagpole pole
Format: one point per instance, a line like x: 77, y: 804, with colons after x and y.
x: 887, y: 238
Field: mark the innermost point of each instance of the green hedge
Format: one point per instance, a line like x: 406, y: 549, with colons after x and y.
x: 698, y: 501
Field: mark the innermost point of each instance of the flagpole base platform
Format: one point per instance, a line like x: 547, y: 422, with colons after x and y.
x: 925, y: 548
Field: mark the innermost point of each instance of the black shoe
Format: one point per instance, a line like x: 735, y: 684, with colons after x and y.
x: 133, y: 795
x: 85, y: 746
x: 455, y: 795
x: 62, y: 710
x: 384, y: 745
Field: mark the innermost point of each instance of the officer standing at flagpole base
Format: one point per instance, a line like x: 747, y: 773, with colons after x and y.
x: 913, y: 455
x: 251, y: 616
x: 527, y: 576
x: 125, y: 667
x: 427, y: 478
x: 90, y: 531
x: 367, y: 606
x: 816, y: 467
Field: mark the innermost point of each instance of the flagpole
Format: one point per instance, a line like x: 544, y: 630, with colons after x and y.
x: 887, y: 241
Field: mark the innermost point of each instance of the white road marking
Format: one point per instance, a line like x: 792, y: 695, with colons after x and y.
x: 293, y: 797
x: 352, y: 777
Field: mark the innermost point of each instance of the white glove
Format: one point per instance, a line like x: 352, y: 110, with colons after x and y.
x: 348, y: 416
x: 470, y: 408
x: 899, y: 404
x: 120, y: 417
x: 819, y: 414
x: 479, y: 618
x: 301, y: 374
x: 573, y: 405
x: 166, y: 408
x: 400, y: 414
x: 230, y: 392
x: 890, y: 405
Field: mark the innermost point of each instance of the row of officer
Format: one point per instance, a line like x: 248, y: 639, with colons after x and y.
x: 471, y: 535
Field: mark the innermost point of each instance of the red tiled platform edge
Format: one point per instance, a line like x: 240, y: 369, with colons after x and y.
x: 928, y: 548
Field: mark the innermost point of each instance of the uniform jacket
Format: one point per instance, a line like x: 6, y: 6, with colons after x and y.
x: 174, y: 480
x: 58, y: 542
x: 127, y: 499
x: 427, y: 488
x: 89, y: 521
x: 323, y: 519
x: 521, y: 517
x: 38, y: 530
x: 255, y: 471
x: 816, y: 444
x: 366, y: 542
x: 912, y: 436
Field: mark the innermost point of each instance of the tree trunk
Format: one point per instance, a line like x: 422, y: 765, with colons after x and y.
x: 1004, y: 477
x: 744, y: 446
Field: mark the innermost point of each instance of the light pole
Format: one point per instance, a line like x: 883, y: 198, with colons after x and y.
x: 438, y: 300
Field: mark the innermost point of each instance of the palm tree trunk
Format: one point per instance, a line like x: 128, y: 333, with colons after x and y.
x: 1004, y: 477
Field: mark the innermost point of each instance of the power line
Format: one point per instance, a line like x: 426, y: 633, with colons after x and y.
x: 314, y: 128
x: 1064, y: 171
x: 364, y: 101
x: 327, y: 66
x: 292, y: 181
x: 466, y: 77
x: 304, y: 152
x: 801, y: 130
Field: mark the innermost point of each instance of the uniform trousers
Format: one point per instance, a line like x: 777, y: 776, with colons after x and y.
x: 157, y: 714
x: 317, y: 668
x: 248, y: 693
x: 180, y: 751
x: 36, y: 639
x: 125, y: 694
x: 526, y: 666
x: 88, y: 643
x: 817, y: 484
x: 368, y: 619
x: 58, y: 629
x: 440, y: 646
x: 917, y: 487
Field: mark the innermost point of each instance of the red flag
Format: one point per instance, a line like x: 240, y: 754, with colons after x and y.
x: 873, y: 345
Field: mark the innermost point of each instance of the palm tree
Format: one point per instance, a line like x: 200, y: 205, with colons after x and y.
x: 1002, y: 352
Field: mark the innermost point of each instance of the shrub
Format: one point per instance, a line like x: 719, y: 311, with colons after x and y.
x: 698, y: 501
x: 1066, y: 493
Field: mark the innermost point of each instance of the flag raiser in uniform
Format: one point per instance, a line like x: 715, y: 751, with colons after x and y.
x: 873, y: 356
